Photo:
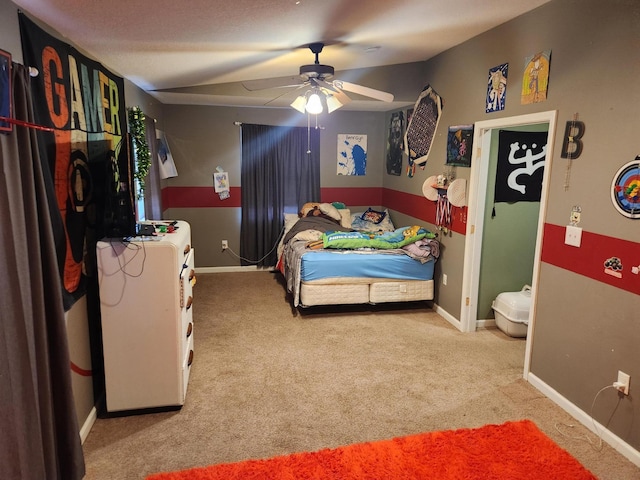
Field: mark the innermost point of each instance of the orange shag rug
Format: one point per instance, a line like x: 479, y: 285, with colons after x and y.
x: 514, y: 450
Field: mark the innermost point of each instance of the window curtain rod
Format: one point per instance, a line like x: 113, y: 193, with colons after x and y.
x: 33, y: 72
x: 317, y: 127
x: 22, y: 123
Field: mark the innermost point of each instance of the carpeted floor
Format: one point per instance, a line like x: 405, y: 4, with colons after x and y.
x: 268, y: 380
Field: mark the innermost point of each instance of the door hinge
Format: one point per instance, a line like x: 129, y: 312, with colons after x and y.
x: 466, y: 301
x: 473, y: 229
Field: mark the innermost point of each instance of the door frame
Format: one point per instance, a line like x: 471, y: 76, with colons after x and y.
x: 476, y: 208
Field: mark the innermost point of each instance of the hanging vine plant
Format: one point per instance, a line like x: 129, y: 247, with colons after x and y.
x: 141, y: 150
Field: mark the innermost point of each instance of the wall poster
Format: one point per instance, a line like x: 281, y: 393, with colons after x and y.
x: 459, y: 143
x: 167, y: 165
x: 87, y: 152
x: 535, y: 79
x: 520, y: 169
x: 395, y: 143
x: 352, y: 154
x: 497, y: 88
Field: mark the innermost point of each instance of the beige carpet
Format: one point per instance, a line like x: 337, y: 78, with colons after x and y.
x: 269, y: 380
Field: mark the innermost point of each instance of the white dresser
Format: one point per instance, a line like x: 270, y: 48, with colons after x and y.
x: 147, y: 328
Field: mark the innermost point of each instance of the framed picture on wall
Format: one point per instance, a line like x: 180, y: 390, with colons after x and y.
x: 221, y: 182
x: 5, y: 91
x: 459, y: 143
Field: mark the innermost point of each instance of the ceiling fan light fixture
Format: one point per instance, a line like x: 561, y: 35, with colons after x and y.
x: 300, y: 103
x: 332, y: 103
x: 314, y: 104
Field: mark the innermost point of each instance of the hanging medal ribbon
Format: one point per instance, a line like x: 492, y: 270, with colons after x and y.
x: 443, y: 213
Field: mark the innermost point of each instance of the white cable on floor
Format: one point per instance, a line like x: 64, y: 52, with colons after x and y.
x: 586, y: 438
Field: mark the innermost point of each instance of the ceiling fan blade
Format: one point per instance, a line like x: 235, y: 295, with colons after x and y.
x: 334, y: 91
x: 362, y: 90
x: 267, y: 83
x: 287, y: 93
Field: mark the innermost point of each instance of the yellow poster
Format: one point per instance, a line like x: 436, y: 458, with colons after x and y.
x: 535, y: 80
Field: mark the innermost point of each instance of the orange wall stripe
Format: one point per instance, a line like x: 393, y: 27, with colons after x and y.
x: 588, y: 259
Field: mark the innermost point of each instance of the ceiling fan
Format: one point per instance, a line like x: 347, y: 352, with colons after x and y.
x: 322, y: 88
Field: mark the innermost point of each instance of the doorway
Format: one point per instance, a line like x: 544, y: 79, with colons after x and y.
x: 476, y: 212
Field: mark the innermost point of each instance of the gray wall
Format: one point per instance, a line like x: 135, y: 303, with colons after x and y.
x: 585, y: 331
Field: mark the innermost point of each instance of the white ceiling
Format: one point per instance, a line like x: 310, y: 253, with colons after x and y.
x: 167, y: 44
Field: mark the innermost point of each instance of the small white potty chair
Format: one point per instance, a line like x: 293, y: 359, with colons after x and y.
x: 512, y: 311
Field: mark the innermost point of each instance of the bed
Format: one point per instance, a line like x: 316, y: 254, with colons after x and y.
x: 329, y: 256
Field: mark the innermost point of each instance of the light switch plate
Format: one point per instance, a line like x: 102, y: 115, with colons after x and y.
x: 573, y: 236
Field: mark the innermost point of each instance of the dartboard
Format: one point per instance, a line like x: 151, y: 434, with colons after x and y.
x: 625, y: 189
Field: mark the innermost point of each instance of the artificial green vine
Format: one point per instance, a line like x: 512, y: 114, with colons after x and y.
x: 140, y: 146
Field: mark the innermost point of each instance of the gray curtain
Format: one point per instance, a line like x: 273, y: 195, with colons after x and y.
x: 280, y: 172
x: 39, y: 438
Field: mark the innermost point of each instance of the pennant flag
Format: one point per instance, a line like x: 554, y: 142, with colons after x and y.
x: 521, y: 158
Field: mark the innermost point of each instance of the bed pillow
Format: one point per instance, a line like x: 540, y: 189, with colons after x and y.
x: 385, y: 225
x: 331, y: 211
x: 345, y: 215
x: 373, y: 216
x: 290, y: 220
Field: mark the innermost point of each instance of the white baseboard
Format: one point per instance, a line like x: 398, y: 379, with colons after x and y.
x: 248, y: 268
x: 88, y: 424
x: 585, y: 419
x: 447, y: 316
x: 487, y: 323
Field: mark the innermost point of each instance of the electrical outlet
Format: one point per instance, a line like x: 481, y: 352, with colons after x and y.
x: 573, y: 236
x: 225, y: 244
x: 623, y: 382
x: 444, y: 279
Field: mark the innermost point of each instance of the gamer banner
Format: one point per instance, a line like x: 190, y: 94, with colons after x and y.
x: 87, y: 151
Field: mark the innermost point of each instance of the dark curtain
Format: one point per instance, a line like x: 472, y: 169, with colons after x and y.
x: 280, y: 172
x: 40, y: 438
x: 152, y: 192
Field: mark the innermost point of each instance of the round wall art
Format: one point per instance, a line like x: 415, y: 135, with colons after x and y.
x: 625, y: 189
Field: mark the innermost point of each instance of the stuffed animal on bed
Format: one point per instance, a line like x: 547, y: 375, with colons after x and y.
x: 308, y: 208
